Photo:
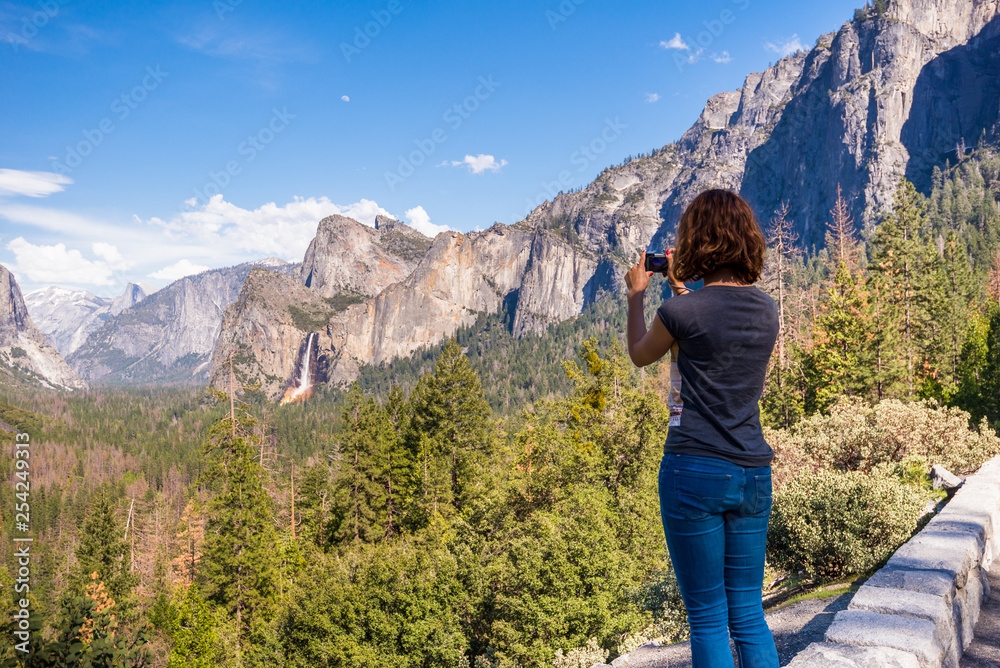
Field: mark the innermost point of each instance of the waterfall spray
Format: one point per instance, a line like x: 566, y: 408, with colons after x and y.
x: 304, y: 389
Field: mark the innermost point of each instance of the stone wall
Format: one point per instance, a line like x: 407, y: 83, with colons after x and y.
x: 919, y: 611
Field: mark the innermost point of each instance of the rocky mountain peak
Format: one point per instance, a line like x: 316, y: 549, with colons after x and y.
x: 14, y: 316
x: 132, y: 295
x: 349, y: 257
x: 23, y: 349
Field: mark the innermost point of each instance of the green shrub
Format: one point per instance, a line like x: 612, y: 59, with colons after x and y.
x: 859, y: 437
x: 583, y: 657
x: 832, y: 524
x: 662, y: 597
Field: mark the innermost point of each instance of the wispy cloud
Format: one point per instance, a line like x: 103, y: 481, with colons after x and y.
x: 786, y: 47
x: 179, y: 269
x: 31, y: 184
x: 652, y: 97
x: 262, y: 48
x: 478, y: 164
x: 676, y: 42
x: 723, y: 57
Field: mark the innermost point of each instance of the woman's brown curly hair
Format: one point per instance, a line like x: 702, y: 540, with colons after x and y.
x: 718, y: 229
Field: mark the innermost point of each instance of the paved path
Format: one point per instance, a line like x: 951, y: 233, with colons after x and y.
x: 793, y: 627
x: 984, y: 652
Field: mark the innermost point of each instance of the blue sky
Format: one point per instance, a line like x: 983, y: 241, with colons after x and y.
x: 143, y: 141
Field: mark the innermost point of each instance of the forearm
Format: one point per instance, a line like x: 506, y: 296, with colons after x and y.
x: 636, y: 328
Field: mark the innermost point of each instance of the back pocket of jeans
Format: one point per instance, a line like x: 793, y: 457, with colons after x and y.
x: 699, y: 494
x: 763, y: 488
x: 701, y: 484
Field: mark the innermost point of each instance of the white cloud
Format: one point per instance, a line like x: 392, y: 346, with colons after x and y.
x: 420, y: 220
x: 723, y: 57
x: 676, y: 42
x: 57, y: 264
x: 345, y: 98
x: 652, y: 97
x: 480, y: 163
x: 178, y: 270
x: 364, y: 211
x: 284, y: 231
x: 111, y: 256
x: 786, y: 48
x: 32, y: 184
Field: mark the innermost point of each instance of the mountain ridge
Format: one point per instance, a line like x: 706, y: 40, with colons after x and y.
x: 24, y: 352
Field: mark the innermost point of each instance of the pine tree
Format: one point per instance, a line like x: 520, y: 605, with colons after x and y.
x: 193, y: 632
x: 103, y: 551
x: 364, y: 482
x: 841, y: 240
x: 238, y: 565
x: 979, y: 369
x: 449, y: 429
x: 782, y: 400
x: 960, y: 295
x: 909, y: 294
x: 313, y: 504
x: 840, y: 361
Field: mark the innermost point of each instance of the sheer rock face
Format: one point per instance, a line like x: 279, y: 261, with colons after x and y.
x: 870, y: 103
x: 67, y: 317
x: 265, y: 329
x: 23, y: 346
x: 534, y: 275
x: 349, y: 257
x: 170, y: 335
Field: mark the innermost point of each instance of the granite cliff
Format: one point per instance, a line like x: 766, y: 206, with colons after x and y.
x: 24, y: 353
x: 67, y: 317
x: 882, y: 97
x: 264, y: 330
x: 878, y: 99
x: 170, y: 335
x: 347, y: 257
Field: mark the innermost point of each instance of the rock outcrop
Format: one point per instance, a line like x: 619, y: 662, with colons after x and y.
x: 347, y: 257
x: 534, y: 275
x: 879, y: 99
x: 67, y: 317
x: 24, y: 352
x: 264, y: 330
x: 170, y: 335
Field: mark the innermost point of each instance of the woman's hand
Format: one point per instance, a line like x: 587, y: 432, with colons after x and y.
x: 669, y: 273
x: 675, y: 285
x: 637, y: 278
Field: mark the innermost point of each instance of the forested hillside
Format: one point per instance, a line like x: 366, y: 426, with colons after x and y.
x: 498, y: 507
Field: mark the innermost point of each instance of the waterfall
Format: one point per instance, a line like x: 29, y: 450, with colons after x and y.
x: 304, y: 376
x: 304, y: 389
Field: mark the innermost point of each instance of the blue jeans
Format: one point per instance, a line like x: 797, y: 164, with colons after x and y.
x: 715, y: 517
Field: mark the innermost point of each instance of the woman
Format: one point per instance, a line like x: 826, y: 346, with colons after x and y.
x: 715, y: 477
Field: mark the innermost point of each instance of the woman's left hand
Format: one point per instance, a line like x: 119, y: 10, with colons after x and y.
x: 637, y: 278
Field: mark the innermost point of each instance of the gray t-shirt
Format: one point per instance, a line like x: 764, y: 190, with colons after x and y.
x: 725, y: 335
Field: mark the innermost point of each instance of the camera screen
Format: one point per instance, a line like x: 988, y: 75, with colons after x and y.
x: 656, y: 263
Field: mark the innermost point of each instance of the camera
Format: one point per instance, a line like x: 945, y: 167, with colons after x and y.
x: 656, y: 263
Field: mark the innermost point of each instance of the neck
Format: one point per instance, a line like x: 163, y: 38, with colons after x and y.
x: 724, y: 276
